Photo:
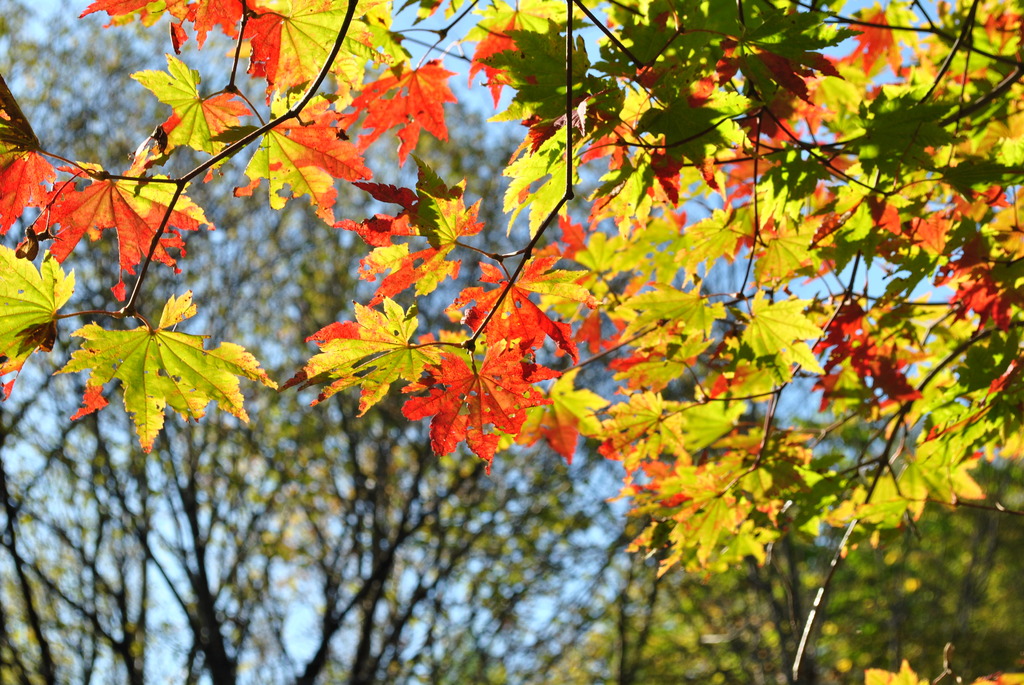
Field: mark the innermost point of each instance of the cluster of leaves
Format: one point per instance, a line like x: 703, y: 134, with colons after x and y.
x: 907, y: 676
x: 859, y: 172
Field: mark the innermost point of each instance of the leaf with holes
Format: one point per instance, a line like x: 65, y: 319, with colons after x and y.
x: 307, y: 154
x: 29, y: 299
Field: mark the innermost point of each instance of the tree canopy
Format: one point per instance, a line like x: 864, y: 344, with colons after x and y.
x: 735, y: 235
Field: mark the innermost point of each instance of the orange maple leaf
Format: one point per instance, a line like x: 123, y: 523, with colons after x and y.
x: 135, y: 210
x: 517, y: 317
x: 413, y: 100
x: 23, y: 175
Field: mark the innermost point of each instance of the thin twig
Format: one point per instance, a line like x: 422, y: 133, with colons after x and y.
x: 470, y: 343
x: 607, y: 32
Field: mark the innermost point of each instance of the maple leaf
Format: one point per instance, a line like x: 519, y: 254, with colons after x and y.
x: 15, y: 131
x: 159, y: 368
x: 29, y: 299
x: 122, y: 11
x: 497, y: 40
x: 307, y: 154
x: 779, y: 329
x: 223, y: 13
x: 464, y: 401
x: 436, y: 212
x: 378, y: 230
x: 424, y: 268
x: 413, y: 99
x: 570, y: 413
x: 494, y: 35
x: 791, y: 74
x: 538, y: 181
x: 371, y: 352
x: 854, y: 343
x: 291, y: 41
x: 517, y: 317
x: 24, y: 173
x: 875, y: 42
x: 135, y: 209
x: 665, y: 304
x: 24, y: 176
x: 196, y: 120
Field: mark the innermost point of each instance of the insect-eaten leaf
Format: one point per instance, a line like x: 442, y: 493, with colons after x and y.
x: 29, y: 299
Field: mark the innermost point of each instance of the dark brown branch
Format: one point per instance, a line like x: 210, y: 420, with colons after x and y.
x: 10, y: 541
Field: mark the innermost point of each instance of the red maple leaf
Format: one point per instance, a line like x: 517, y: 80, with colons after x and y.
x: 573, y: 236
x: 406, y: 197
x: 516, y: 316
x: 875, y: 43
x: 134, y: 209
x: 793, y: 74
x: 464, y: 401
x: 379, y: 229
x: 853, y: 343
x: 423, y: 268
x: 23, y: 179
x: 122, y: 8
x: 24, y: 173
x: 976, y: 288
x: 224, y: 13
x: 437, y: 212
x: 413, y: 100
x: 495, y: 42
x: 178, y: 36
x: 667, y: 167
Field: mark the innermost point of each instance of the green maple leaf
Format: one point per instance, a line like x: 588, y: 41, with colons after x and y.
x: 537, y: 71
x: 538, y: 181
x: 441, y: 214
x: 793, y: 33
x: 196, y: 120
x: 373, y: 352
x: 779, y: 329
x: 899, y: 129
x: 29, y: 299
x: 160, y: 367
x: 668, y: 303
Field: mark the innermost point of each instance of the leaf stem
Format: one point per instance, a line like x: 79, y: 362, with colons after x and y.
x: 89, y: 312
